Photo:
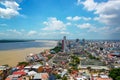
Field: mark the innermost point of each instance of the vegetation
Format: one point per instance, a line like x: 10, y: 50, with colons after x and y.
x: 69, y: 70
x: 74, y: 68
x: 57, y: 49
x: 92, y: 57
x: 57, y: 76
x: 74, y: 62
x: 102, y: 70
x: 5, y: 65
x: 23, y: 63
x: 118, y: 78
x: 64, y: 78
x: 75, y: 59
x: 41, y: 62
x: 89, y: 68
x: 49, y: 56
x: 115, y: 74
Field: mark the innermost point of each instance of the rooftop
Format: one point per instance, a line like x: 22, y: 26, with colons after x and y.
x: 37, y: 66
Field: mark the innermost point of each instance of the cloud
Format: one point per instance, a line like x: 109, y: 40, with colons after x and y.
x: 64, y: 33
x: 90, y: 5
x: 11, y: 9
x: 105, y: 30
x: 53, y: 35
x: 78, y: 2
x: 14, y: 31
x: 68, y: 24
x: 19, y: 34
x: 53, y: 24
x: 108, y: 12
x: 3, y: 25
x: 76, y: 18
x: 84, y: 26
x: 31, y: 33
x: 69, y: 18
x: 2, y: 34
x: 86, y: 18
x: 92, y: 28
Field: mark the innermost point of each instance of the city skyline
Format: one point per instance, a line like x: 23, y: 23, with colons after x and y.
x: 45, y: 19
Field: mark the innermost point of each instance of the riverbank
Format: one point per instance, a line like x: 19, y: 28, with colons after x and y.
x: 12, y: 57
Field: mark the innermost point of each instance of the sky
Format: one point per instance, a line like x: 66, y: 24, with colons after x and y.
x: 53, y: 19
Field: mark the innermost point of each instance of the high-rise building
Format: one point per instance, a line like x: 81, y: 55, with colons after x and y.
x: 64, y: 47
x: 83, y: 41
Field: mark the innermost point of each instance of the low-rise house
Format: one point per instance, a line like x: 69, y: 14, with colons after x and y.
x: 18, y: 75
x: 4, y: 71
x: 20, y: 72
x: 41, y: 76
x: 1, y: 74
x: 103, y: 79
x: 4, y: 68
x: 31, y: 73
x: 82, y: 78
x: 64, y: 72
x: 34, y: 57
x: 14, y: 77
x: 28, y: 67
x: 38, y: 68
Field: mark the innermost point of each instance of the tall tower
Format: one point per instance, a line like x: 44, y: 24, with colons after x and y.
x: 64, y: 44
x: 83, y: 41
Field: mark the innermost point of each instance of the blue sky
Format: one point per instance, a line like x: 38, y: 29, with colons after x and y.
x: 52, y: 19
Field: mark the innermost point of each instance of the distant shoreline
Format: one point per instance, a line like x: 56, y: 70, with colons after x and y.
x: 24, y: 48
x: 10, y: 41
x: 13, y: 45
x: 24, y: 40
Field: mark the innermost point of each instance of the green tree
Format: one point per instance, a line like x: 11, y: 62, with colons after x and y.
x: 89, y: 68
x: 58, y: 76
x: 64, y: 78
x: 102, y: 70
x: 69, y: 70
x: 115, y: 74
x: 6, y: 65
x: 118, y: 78
x: 23, y: 63
x: 57, y: 49
x: 75, y: 59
